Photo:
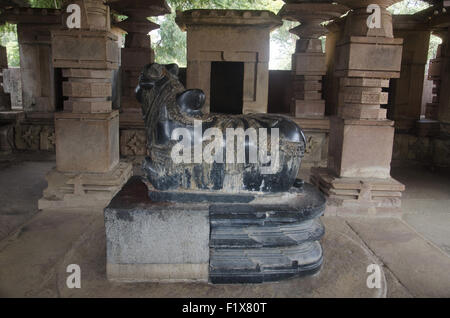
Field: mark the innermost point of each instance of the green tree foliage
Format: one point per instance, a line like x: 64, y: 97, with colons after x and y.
x: 8, y: 39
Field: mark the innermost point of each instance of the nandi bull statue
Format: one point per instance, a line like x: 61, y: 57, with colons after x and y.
x: 192, y: 150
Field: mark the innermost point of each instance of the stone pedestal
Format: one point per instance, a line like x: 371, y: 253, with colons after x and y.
x: 361, y: 139
x: 204, y: 236
x: 88, y: 172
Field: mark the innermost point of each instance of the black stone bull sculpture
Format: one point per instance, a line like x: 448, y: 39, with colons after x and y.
x: 168, y: 109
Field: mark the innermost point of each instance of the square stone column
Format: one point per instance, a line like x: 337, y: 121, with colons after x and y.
x: 434, y: 74
x: 88, y: 172
x: 443, y: 113
x: 308, y: 61
x: 357, y: 179
x: 34, y: 26
x: 136, y: 54
x: 308, y: 68
x: 5, y: 99
x: 407, y: 91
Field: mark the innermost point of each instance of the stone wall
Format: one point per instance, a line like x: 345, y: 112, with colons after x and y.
x: 413, y: 149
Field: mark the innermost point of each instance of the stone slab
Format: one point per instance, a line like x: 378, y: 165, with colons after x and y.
x: 359, y: 56
x: 421, y: 267
x: 85, y: 49
x: 309, y: 108
x: 88, y: 105
x: 309, y: 64
x: 168, y: 273
x: 319, y: 124
x: 87, y: 89
x: 350, y: 111
x: 143, y: 237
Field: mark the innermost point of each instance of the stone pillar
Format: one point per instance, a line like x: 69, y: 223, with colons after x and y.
x: 443, y: 114
x: 308, y: 69
x: 308, y: 61
x: 361, y: 138
x: 407, y: 93
x: 430, y: 125
x: 6, y: 133
x: 37, y: 73
x: 136, y: 53
x: 434, y: 74
x: 88, y: 172
x: 5, y: 99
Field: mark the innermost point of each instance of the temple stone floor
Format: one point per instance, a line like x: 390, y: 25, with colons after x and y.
x: 36, y: 246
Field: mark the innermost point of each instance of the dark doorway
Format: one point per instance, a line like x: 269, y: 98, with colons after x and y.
x: 227, y: 82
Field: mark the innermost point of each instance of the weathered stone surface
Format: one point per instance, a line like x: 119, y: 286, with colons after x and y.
x: 87, y: 89
x: 27, y: 137
x: 363, y: 95
x: 149, y: 241
x: 308, y: 108
x: 369, y: 57
x: 362, y: 112
x: 359, y: 196
x: 83, y: 189
x: 360, y: 148
x: 88, y: 105
x: 87, y: 142
x: 12, y: 84
x: 133, y: 142
x: 309, y: 64
x: 85, y: 49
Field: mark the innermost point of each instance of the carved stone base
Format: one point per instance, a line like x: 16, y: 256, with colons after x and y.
x: 359, y: 196
x: 83, y: 190
x: 193, y: 238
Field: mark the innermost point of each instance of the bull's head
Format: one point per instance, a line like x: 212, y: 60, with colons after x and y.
x: 156, y: 75
x: 152, y: 75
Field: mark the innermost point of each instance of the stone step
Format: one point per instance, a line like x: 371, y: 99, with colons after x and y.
x: 231, y: 266
x: 266, y: 236
x: 306, y: 205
